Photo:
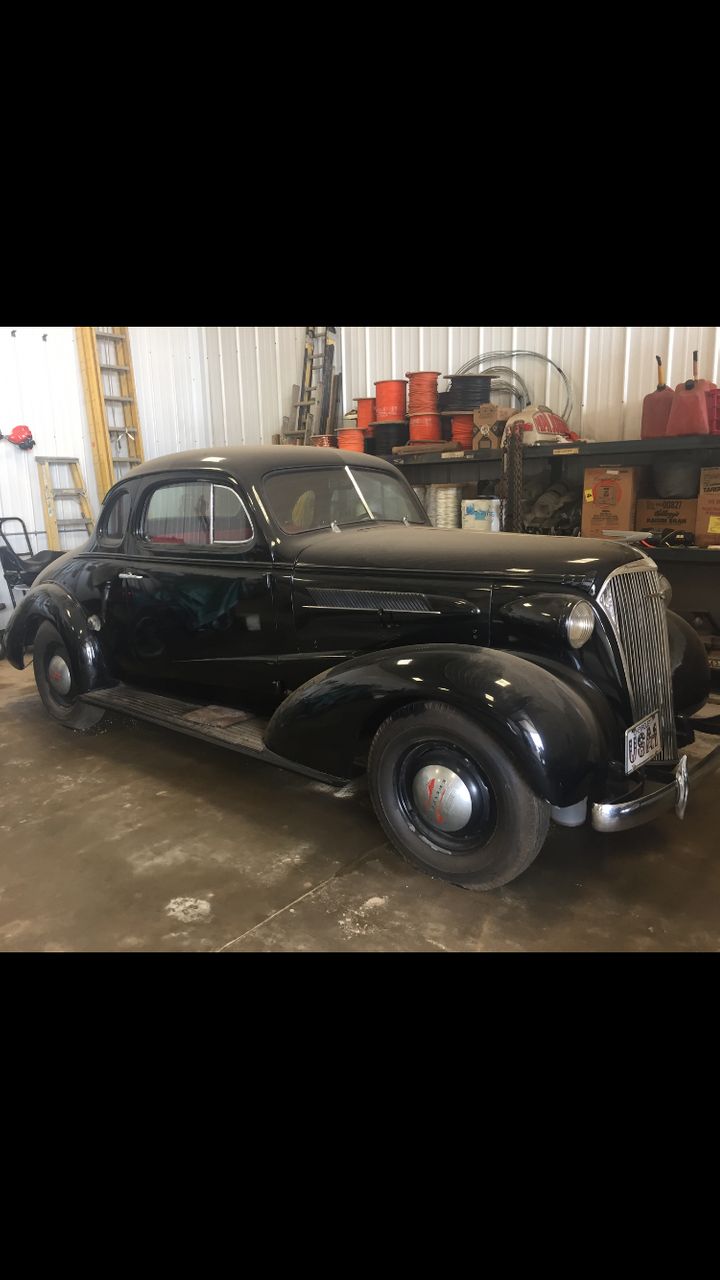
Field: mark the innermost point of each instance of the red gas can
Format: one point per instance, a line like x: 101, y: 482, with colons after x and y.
x: 656, y: 407
x: 689, y: 412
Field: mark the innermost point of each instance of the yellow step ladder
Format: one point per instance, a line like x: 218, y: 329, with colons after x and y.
x: 55, y: 489
x: 111, y: 403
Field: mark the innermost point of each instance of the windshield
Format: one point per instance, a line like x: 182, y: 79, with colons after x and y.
x: 304, y: 500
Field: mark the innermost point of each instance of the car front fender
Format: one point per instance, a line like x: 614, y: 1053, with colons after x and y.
x: 50, y: 602
x: 552, y: 732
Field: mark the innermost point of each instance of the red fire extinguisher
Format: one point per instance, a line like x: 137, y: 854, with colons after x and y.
x: 21, y: 436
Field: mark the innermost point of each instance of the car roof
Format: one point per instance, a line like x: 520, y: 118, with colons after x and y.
x: 250, y: 462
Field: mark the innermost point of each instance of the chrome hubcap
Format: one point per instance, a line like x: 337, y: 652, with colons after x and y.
x: 59, y: 675
x: 442, y: 798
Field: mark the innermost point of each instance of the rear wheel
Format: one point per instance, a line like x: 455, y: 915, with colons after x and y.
x: 451, y: 800
x: 54, y: 679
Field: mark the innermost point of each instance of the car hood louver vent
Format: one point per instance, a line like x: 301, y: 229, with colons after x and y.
x: 397, y: 601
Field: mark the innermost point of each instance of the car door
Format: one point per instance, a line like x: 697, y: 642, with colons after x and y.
x: 192, y: 600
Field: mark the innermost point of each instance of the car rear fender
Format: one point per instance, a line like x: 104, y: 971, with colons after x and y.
x: 550, y: 729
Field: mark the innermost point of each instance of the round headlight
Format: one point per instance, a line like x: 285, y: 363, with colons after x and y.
x: 665, y: 589
x: 579, y: 624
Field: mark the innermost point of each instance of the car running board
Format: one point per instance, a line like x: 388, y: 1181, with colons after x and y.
x: 224, y: 726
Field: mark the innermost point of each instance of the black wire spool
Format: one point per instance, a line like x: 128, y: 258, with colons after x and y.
x: 467, y: 392
x: 388, y: 435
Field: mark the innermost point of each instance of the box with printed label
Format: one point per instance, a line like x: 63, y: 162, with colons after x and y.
x: 707, y: 525
x: 609, y: 497
x: 657, y: 514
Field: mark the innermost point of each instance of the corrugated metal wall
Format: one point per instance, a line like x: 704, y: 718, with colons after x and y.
x: 40, y: 386
x: 214, y: 385
x: 610, y: 369
x: 206, y: 386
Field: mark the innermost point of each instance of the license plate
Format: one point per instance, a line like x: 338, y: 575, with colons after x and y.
x: 642, y: 742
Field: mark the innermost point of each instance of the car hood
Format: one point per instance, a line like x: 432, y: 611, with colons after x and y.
x: 428, y: 551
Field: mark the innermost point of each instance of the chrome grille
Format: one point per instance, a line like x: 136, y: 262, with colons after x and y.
x: 633, y: 602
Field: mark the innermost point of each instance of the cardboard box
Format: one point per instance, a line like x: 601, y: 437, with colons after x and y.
x: 484, y: 419
x: 666, y: 513
x: 707, y: 526
x: 609, y: 498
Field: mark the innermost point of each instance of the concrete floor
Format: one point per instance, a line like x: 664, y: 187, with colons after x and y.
x: 139, y: 839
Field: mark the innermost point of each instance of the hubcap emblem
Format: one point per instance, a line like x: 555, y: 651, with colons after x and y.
x: 59, y: 675
x: 442, y: 798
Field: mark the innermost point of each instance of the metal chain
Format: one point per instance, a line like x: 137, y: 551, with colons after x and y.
x: 512, y: 480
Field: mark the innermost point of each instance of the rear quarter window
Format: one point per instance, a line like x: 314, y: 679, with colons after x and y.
x: 113, y: 522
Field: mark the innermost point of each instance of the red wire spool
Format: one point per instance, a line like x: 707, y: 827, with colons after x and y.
x: 365, y: 411
x: 462, y: 429
x: 390, y: 399
x: 423, y: 396
x: 349, y: 438
x: 425, y: 426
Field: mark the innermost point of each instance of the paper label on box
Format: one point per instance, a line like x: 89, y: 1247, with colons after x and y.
x: 714, y: 524
x: 589, y: 497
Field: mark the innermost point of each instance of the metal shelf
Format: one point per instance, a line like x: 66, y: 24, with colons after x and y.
x: 703, y: 450
x: 683, y: 555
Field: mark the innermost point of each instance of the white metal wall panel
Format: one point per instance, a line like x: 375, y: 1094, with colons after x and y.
x: 40, y: 386
x: 610, y: 369
x: 171, y: 385
x: 247, y: 374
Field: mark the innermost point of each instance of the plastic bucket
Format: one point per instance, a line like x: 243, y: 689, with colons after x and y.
x: 481, y: 514
x: 390, y: 399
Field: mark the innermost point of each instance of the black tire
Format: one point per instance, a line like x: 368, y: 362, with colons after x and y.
x: 430, y: 742
x: 64, y: 705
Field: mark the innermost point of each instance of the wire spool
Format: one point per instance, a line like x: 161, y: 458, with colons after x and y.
x: 324, y: 442
x: 462, y: 429
x: 389, y: 435
x: 468, y: 391
x: 420, y: 491
x: 370, y: 443
x: 448, y: 506
x: 349, y: 439
x: 425, y: 427
x: 423, y: 393
x: 366, y: 413
x: 390, y: 399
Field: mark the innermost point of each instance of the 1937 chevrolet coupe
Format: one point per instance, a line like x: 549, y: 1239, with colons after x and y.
x: 296, y: 606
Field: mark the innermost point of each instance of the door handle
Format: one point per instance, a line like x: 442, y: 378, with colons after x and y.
x: 131, y: 575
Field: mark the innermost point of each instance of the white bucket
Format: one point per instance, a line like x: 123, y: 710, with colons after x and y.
x: 481, y: 514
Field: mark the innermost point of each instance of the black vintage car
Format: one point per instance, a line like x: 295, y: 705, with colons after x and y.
x: 296, y: 606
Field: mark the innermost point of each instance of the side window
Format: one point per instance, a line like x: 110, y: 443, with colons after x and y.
x: 197, y: 514
x: 230, y: 522
x: 178, y: 515
x: 114, y: 519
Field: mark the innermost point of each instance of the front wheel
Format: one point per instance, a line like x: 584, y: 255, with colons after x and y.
x: 451, y: 800
x: 54, y: 679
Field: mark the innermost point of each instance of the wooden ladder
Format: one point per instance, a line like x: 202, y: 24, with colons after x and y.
x: 111, y: 403
x: 52, y: 493
x: 317, y: 384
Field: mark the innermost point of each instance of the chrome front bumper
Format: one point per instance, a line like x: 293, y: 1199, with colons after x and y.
x: 650, y: 805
